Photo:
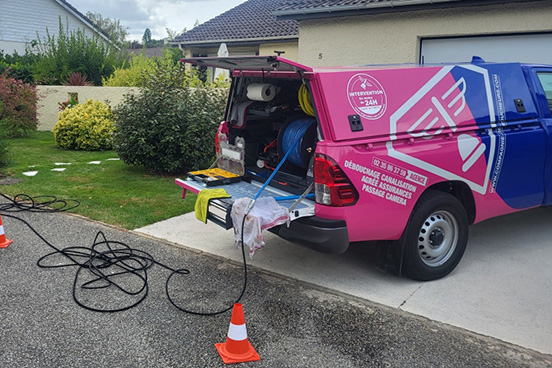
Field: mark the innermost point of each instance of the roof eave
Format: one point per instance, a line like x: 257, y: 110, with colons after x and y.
x: 236, y: 42
x: 85, y: 20
x: 381, y: 7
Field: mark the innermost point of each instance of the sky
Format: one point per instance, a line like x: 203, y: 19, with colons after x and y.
x: 157, y: 15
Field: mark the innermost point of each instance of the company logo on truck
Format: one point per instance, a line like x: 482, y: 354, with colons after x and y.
x: 441, y: 107
x: 366, y: 96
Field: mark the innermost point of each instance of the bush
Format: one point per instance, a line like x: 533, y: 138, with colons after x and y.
x: 76, y: 79
x: 18, y: 66
x: 88, y: 127
x: 71, y: 102
x: 3, y: 151
x: 141, y: 67
x: 133, y: 75
x: 73, y: 51
x: 169, y: 127
x: 18, y: 104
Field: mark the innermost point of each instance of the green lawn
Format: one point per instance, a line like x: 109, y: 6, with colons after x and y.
x: 110, y: 192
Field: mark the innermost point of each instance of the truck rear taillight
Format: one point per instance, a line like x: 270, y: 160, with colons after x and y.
x: 331, y: 186
x: 217, y: 143
x: 223, y: 128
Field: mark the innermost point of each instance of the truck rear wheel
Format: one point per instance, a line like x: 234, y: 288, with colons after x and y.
x: 436, y: 236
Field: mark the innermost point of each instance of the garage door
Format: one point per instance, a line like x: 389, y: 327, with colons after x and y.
x: 527, y: 48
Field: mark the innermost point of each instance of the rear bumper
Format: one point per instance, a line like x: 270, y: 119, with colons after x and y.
x: 323, y: 235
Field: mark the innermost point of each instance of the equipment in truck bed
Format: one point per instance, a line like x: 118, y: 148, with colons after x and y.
x: 219, y: 208
x: 213, y: 177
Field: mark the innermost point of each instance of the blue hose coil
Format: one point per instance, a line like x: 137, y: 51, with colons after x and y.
x: 295, y: 131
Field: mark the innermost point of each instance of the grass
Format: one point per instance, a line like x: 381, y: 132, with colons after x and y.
x: 111, y: 192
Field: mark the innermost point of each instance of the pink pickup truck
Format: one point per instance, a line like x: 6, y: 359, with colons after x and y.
x: 409, y: 155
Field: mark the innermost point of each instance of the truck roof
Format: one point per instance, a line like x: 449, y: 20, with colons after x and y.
x: 278, y: 63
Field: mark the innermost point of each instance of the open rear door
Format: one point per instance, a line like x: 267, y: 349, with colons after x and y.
x: 219, y: 209
x: 251, y: 63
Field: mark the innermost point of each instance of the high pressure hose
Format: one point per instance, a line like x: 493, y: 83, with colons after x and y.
x: 292, y: 139
x: 105, y: 261
x: 132, y: 261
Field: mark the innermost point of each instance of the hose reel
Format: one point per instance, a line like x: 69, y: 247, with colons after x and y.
x: 304, y: 129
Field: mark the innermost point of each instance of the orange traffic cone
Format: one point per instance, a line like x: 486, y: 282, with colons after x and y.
x: 3, y: 241
x: 237, y: 349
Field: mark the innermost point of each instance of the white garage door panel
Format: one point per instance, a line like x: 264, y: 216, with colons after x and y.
x: 533, y: 48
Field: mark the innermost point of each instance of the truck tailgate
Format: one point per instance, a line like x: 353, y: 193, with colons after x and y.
x: 219, y: 209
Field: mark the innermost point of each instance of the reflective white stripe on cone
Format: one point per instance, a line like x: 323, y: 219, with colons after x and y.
x: 237, y: 332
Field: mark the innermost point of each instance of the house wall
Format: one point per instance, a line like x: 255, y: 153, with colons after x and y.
x: 395, y: 37
x: 9, y: 47
x: 21, y: 20
x: 212, y: 51
x: 291, y: 49
x: 189, y: 52
x: 50, y: 96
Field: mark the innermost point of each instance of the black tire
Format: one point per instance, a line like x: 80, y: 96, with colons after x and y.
x: 435, y: 238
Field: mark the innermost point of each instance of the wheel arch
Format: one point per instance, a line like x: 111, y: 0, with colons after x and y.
x: 462, y: 192
x: 391, y: 253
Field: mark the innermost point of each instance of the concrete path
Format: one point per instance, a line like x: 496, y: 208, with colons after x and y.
x: 502, y: 287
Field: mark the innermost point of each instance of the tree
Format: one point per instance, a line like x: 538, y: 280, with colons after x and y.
x: 146, y: 38
x: 116, y: 32
x: 172, y: 34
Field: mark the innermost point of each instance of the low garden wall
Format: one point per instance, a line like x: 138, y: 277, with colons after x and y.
x: 51, y: 96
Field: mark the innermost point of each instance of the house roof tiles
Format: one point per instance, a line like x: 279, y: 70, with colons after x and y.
x: 300, y: 9
x: 309, y: 4
x: 250, y: 20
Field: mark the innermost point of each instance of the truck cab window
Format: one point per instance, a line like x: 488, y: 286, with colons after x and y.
x: 546, y: 83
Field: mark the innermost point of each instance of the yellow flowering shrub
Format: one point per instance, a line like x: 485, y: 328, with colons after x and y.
x: 132, y: 75
x: 87, y: 127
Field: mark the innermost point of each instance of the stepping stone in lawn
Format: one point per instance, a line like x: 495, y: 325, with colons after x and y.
x: 30, y: 173
x: 9, y: 181
x: 94, y: 162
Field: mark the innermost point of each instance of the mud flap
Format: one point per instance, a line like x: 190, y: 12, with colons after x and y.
x: 390, y: 256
